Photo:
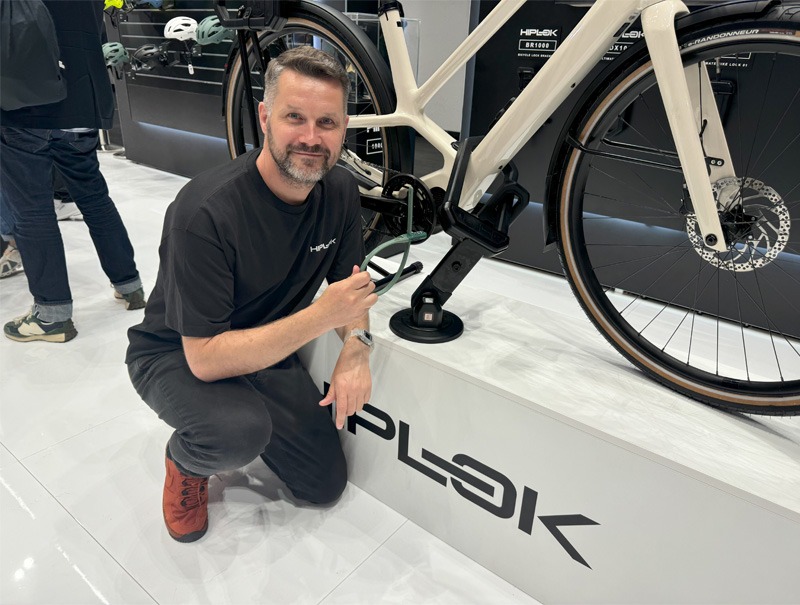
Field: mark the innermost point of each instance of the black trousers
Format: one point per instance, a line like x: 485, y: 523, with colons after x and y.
x: 224, y: 425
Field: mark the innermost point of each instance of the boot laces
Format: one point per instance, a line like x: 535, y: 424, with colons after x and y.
x: 194, y: 492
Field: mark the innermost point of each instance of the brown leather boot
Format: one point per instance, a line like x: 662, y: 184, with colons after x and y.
x: 185, y: 504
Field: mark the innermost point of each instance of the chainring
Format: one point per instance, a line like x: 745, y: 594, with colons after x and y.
x: 424, y: 218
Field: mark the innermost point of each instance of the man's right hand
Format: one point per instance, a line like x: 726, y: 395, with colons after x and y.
x: 238, y: 352
x: 348, y: 300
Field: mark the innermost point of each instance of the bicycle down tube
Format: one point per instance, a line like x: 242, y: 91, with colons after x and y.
x: 605, y: 21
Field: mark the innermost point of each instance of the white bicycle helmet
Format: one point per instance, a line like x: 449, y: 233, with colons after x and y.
x: 181, y: 28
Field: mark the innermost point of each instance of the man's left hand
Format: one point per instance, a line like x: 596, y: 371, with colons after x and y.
x: 351, y: 382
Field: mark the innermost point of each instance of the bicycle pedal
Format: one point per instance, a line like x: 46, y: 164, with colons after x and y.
x: 462, y: 225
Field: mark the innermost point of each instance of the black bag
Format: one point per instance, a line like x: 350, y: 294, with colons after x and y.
x: 30, y: 72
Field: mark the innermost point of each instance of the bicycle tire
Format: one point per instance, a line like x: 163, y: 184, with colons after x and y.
x: 371, y: 92
x: 724, y: 328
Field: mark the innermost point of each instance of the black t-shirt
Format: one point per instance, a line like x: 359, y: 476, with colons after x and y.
x: 234, y: 256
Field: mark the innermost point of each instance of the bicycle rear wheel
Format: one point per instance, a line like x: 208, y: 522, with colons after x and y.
x: 316, y: 25
x: 723, y: 328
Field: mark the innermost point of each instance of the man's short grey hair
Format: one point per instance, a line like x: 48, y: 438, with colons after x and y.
x: 306, y: 61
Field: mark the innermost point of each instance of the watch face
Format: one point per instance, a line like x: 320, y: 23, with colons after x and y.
x: 365, y: 337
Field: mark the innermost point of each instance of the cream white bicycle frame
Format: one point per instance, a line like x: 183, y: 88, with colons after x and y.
x: 568, y: 66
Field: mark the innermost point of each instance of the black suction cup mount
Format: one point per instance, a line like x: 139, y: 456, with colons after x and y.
x: 427, y: 322
x: 477, y: 234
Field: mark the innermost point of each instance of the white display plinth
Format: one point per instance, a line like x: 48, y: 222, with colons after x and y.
x: 531, y: 447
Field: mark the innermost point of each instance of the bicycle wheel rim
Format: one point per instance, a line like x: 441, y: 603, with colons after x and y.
x: 588, y: 258
x: 378, y: 147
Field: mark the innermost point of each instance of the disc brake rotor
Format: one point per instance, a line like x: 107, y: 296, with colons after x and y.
x: 755, y: 219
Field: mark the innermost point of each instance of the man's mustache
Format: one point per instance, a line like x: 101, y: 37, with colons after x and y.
x: 310, y: 149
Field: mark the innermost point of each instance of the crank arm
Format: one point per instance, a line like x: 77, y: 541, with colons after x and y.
x: 386, y: 206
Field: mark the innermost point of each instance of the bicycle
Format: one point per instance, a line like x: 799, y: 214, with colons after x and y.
x: 695, y: 281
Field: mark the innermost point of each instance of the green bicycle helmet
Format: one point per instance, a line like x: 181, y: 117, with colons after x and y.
x: 209, y: 31
x: 115, y: 54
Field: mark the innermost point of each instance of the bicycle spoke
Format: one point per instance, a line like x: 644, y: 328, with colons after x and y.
x: 668, y: 304
x: 647, y: 140
x: 772, y: 328
x: 717, y: 272
x: 760, y: 116
x: 618, y: 245
x: 682, y: 251
x: 659, y: 199
x: 697, y: 294
x: 721, y: 318
x: 739, y: 121
x: 741, y: 324
x: 793, y: 103
x: 763, y: 308
x: 665, y: 131
x: 660, y: 217
x: 780, y: 154
x: 696, y: 280
x: 665, y: 214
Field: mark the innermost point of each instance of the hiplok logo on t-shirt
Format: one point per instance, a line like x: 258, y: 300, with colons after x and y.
x: 319, y: 247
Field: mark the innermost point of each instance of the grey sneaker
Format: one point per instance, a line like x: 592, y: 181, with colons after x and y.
x: 26, y: 328
x: 67, y: 211
x: 10, y: 262
x: 134, y: 300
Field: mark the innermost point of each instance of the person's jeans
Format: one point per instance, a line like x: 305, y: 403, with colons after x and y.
x: 27, y: 157
x: 223, y: 425
x: 6, y: 227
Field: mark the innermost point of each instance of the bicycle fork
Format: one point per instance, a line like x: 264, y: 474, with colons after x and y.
x: 693, y: 118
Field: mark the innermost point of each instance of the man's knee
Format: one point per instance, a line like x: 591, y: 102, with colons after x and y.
x: 330, y: 484
x: 240, y: 438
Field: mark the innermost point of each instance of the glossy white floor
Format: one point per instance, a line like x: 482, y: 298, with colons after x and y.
x: 81, y: 468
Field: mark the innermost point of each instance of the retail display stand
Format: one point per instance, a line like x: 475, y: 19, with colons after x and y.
x: 531, y: 447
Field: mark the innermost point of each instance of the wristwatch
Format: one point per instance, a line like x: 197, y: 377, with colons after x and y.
x: 363, y: 335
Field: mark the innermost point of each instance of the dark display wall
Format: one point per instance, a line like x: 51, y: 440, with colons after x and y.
x: 172, y: 119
